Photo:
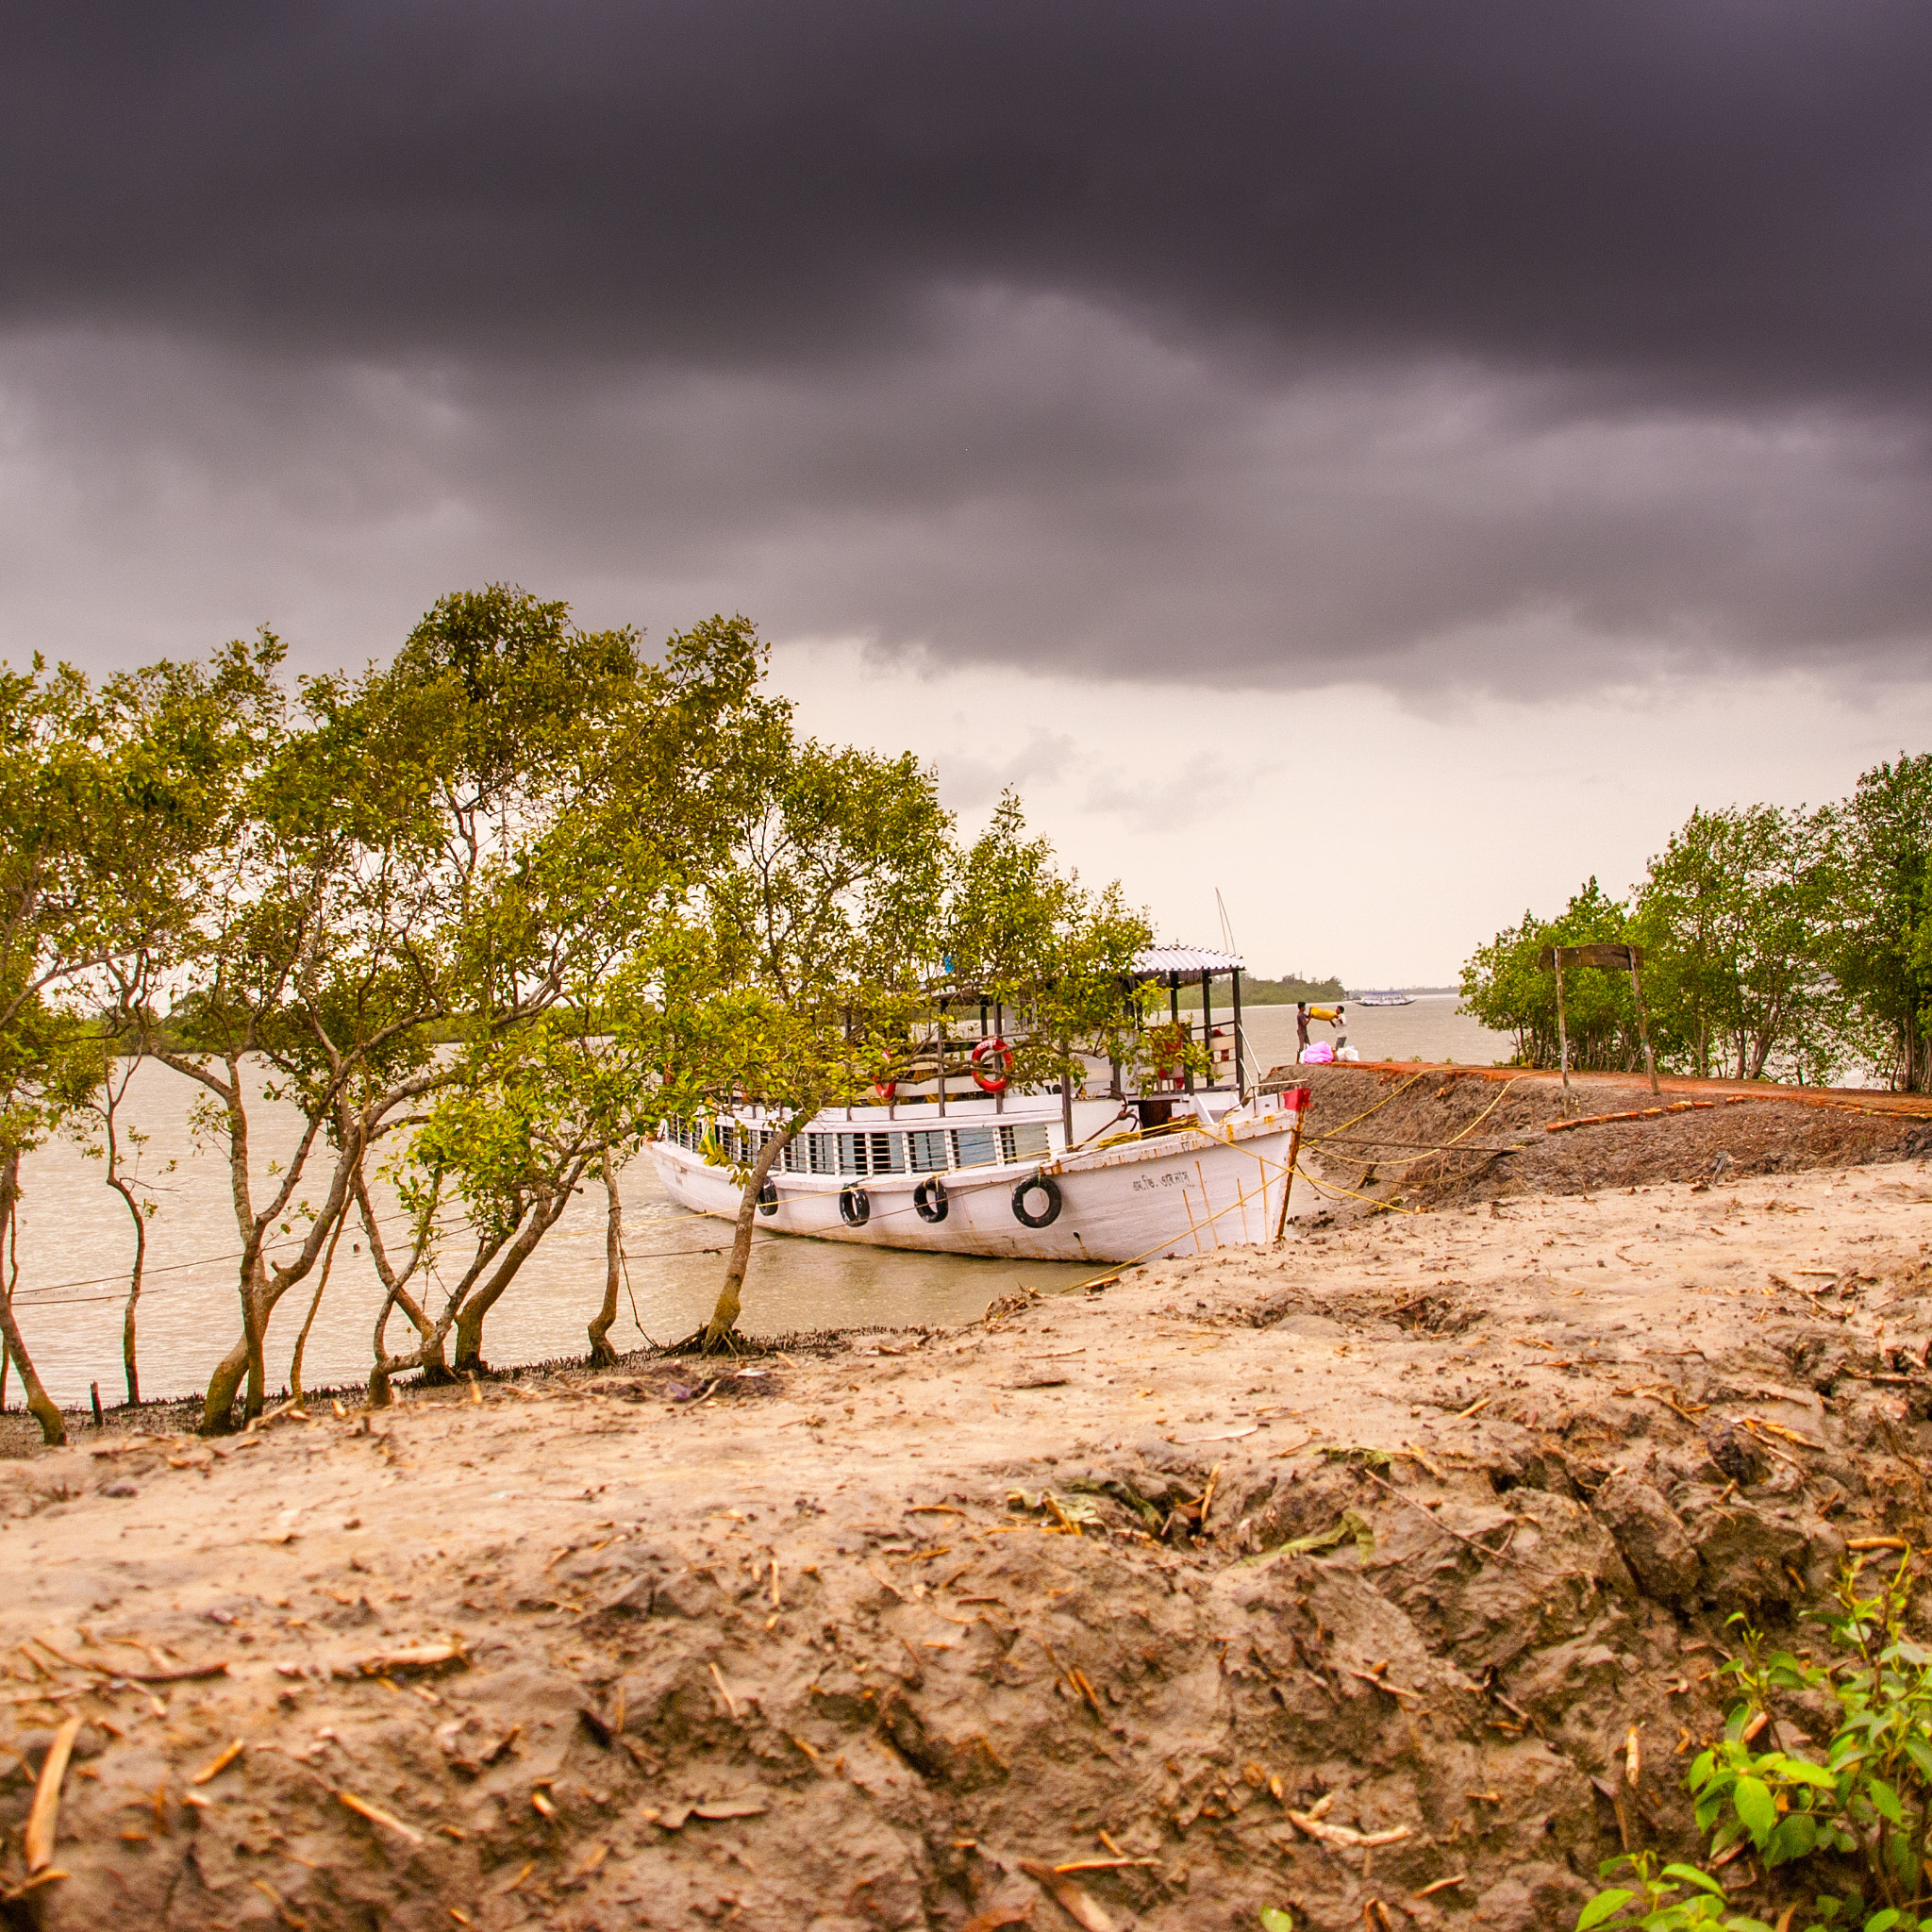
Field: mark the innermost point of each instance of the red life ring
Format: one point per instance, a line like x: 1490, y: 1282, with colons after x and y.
x: 991, y: 1062
x: 885, y: 1092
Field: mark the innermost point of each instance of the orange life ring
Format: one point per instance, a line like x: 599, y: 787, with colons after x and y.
x: 991, y: 1062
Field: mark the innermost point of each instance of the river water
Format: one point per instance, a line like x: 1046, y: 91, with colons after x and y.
x: 76, y: 1242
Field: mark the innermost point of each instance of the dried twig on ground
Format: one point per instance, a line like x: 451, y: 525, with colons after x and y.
x: 43, y: 1819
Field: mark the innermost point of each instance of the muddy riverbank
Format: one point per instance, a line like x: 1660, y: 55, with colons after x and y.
x: 1313, y: 1578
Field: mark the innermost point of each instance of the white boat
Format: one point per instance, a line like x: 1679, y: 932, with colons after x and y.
x: 1047, y: 1178
x: 1383, y: 999
x: 980, y: 1182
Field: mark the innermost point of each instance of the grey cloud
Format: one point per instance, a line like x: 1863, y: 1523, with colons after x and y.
x: 1035, y: 483
x: 1508, y: 346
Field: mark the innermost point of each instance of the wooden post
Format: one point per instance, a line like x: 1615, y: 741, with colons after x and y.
x: 1067, y: 1097
x: 999, y: 1027
x: 1241, y: 1052
x: 941, y: 1038
x: 1562, y: 1031
x: 1300, y: 1095
x: 1643, y: 1026
x: 1208, y: 1024
x: 1115, y: 1091
x: 1173, y: 1014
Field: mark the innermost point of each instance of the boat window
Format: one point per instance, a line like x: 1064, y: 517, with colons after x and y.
x: 977, y: 1146
x: 927, y: 1152
x: 867, y: 1154
x: 821, y: 1153
x: 1028, y: 1141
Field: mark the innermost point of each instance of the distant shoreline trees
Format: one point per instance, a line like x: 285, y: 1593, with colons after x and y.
x: 1779, y: 943
x: 1284, y: 992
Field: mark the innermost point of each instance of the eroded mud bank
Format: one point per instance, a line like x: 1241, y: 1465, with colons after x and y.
x: 1313, y: 1578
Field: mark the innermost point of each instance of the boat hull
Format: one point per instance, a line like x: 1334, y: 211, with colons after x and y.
x: 1179, y: 1193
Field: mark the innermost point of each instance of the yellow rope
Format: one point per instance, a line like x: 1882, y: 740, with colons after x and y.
x: 1330, y: 1187
x: 1416, y: 1161
x: 1376, y: 1109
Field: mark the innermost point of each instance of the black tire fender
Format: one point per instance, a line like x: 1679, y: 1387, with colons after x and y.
x: 854, y: 1206
x: 1036, y: 1184
x: 929, y: 1200
x: 768, y: 1198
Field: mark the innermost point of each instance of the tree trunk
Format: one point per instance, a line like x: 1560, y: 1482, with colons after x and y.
x: 470, y: 1322
x: 429, y: 1354
x: 130, y: 1365
x: 329, y: 1261
x: 260, y: 1293
x: 725, y: 1316
x: 53, y: 1425
x: 601, y: 1351
x: 217, y: 1402
x: 218, y: 1399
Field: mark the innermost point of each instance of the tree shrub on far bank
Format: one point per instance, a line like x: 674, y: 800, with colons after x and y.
x: 1779, y: 943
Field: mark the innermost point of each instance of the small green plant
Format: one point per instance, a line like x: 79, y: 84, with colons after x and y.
x: 1870, y: 1801
x: 1274, y: 1920
x: 1674, y: 1899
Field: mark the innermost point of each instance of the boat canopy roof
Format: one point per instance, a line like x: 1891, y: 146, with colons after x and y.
x: 1162, y: 960
x: 1162, y: 963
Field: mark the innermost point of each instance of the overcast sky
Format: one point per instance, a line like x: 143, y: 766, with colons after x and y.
x: 1386, y: 462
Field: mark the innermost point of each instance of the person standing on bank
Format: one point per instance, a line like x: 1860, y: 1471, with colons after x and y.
x: 1300, y: 1027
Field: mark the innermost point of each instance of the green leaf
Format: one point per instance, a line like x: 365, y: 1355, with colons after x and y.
x: 1883, y: 1922
x: 1885, y: 1801
x: 1757, y: 1809
x: 1795, y: 1771
x: 1690, y: 1875
x: 1902, y: 1860
x: 1602, y: 1906
x: 1796, y: 1836
x: 1274, y: 1920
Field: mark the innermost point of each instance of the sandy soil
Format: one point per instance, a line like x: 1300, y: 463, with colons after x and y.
x: 1311, y: 1578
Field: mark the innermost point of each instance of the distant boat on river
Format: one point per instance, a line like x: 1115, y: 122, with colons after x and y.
x: 1389, y: 998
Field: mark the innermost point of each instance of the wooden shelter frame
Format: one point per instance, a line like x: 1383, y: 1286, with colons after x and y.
x: 1615, y: 957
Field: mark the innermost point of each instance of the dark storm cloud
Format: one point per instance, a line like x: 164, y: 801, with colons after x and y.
x: 1498, y: 342
x: 1742, y: 189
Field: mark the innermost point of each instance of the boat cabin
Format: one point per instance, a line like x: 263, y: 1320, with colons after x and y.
x: 954, y: 1110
